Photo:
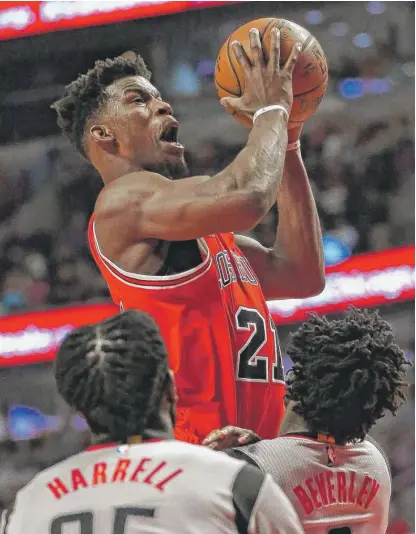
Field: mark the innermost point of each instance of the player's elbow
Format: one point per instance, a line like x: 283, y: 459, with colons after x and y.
x: 255, y: 207
x: 312, y: 286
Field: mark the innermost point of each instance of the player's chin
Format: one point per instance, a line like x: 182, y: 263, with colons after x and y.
x: 172, y: 150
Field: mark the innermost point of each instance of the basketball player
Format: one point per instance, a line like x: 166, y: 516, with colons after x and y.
x: 347, y: 373
x: 136, y: 478
x: 166, y: 246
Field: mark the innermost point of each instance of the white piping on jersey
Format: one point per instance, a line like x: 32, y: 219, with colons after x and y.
x: 329, y: 523
x: 203, y: 267
x: 131, y: 284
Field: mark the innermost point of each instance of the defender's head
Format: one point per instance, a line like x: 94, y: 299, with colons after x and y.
x: 347, y: 373
x: 116, y: 374
x: 114, y: 113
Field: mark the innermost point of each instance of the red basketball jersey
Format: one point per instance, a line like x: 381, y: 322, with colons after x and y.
x: 220, y: 337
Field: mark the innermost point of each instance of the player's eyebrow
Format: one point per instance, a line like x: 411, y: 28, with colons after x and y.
x: 137, y: 89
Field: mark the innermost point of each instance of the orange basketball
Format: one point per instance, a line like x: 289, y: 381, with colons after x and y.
x: 310, y: 77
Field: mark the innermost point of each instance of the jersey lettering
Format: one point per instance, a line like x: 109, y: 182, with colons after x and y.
x: 157, y: 476
x: 227, y: 272
x: 340, y: 486
x: 225, y: 269
x: 85, y: 520
x: 251, y: 365
x: 244, y: 269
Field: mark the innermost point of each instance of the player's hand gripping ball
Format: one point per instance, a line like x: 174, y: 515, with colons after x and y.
x: 310, y: 75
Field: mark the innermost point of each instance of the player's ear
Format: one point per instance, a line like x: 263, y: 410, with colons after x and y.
x: 102, y: 134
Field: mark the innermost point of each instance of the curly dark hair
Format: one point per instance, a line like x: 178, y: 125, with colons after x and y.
x: 346, y: 373
x: 115, y: 373
x: 86, y: 95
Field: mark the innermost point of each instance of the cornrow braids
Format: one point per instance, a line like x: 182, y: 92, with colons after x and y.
x: 86, y: 94
x: 114, y: 373
x: 347, y: 373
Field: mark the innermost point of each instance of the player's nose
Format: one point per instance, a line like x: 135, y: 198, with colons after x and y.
x: 162, y: 108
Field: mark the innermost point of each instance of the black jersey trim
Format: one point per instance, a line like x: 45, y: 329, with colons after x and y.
x: 239, y: 454
x: 246, y: 489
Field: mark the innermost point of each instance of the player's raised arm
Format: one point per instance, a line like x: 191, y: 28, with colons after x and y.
x: 294, y: 266
x: 238, y: 197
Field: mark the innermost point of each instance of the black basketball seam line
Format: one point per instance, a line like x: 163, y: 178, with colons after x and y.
x: 294, y: 96
x: 310, y: 90
x: 307, y: 42
x: 225, y: 89
x: 232, y: 66
x: 266, y: 28
x: 231, y: 63
x: 304, y: 46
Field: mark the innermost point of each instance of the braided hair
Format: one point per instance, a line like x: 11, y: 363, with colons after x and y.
x: 86, y: 95
x: 346, y: 373
x: 115, y: 373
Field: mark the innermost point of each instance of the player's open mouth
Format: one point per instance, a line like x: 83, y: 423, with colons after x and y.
x: 170, y: 136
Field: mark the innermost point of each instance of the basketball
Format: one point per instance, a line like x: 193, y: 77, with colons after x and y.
x: 310, y: 77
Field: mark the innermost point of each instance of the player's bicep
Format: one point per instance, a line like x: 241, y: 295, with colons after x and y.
x: 277, y: 278
x: 177, y: 216
x: 176, y: 211
x: 147, y: 205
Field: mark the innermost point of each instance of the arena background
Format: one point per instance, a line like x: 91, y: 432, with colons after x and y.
x: 358, y: 149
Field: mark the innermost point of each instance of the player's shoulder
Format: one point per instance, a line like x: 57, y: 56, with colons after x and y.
x: 376, y: 452
x: 190, y: 453
x: 43, y: 477
x: 117, y: 195
x: 264, y: 453
x: 271, y: 446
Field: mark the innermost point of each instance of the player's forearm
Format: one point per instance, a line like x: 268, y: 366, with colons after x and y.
x: 258, y: 168
x: 299, y: 236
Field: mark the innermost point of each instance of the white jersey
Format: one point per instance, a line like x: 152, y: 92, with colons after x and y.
x: 155, y: 487
x: 334, y: 489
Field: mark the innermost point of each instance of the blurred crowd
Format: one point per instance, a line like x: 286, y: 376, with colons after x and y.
x: 362, y: 178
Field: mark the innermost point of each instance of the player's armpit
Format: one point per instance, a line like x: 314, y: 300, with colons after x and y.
x: 152, y: 206
x: 278, y: 278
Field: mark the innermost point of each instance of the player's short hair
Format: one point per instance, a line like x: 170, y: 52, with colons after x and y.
x: 86, y: 95
x: 115, y: 373
x: 346, y: 373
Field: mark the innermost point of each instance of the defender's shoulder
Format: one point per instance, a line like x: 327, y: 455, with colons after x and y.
x: 48, y: 474
x: 195, y: 453
x: 377, y: 452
